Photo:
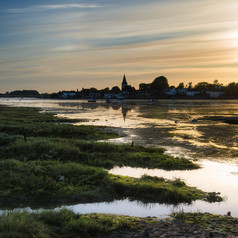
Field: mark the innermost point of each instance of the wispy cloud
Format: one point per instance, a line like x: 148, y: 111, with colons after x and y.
x: 93, y: 42
x: 39, y: 8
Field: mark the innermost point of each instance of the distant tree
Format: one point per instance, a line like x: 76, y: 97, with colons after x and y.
x: 24, y: 93
x: 232, y: 89
x: 159, y: 84
x: 181, y: 86
x: 55, y: 95
x: 203, y: 86
x: 92, y: 90
x: 105, y: 90
x: 217, y: 85
x: 190, y: 85
x: 144, y: 87
x: 115, y: 90
x: 129, y: 88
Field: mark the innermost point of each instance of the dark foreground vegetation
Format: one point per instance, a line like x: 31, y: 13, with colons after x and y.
x: 40, y: 182
x: 62, y: 224
x: 46, y: 161
x: 45, y: 166
x: 65, y: 223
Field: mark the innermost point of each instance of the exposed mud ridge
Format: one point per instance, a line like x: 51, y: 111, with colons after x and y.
x: 229, y: 120
x: 164, y: 228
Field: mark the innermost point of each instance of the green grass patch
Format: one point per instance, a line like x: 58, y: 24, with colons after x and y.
x: 99, y: 154
x: 53, y: 165
x: 209, y: 222
x: 63, y: 223
x: 151, y: 189
x: 30, y: 122
x: 51, y: 181
x: 26, y: 134
x: 46, y: 181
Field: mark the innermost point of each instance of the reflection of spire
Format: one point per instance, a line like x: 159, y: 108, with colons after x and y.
x: 124, y: 111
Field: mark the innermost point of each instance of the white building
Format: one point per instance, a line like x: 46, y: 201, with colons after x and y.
x: 214, y: 94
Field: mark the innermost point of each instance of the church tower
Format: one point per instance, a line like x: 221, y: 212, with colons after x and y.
x: 124, y: 83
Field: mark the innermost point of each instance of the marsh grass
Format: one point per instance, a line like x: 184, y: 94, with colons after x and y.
x: 52, y: 181
x: 50, y: 167
x: 98, y: 154
x: 155, y: 188
x: 63, y: 223
x: 26, y: 182
x: 27, y: 134
x: 30, y: 122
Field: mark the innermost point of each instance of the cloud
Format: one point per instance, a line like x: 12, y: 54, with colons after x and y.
x: 96, y: 42
x: 39, y: 8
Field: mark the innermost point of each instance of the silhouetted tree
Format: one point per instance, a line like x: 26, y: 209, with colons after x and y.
x: 190, y: 85
x: 159, y: 84
x: 144, y: 87
x: 181, y: 86
x: 115, y: 90
x: 105, y: 90
x: 232, y: 89
x: 203, y: 86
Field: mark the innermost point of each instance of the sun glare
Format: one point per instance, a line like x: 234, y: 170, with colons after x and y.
x: 233, y: 37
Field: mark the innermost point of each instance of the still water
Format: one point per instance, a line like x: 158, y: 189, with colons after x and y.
x: 177, y: 125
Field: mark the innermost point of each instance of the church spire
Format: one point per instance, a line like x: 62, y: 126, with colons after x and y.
x: 124, y: 83
x: 124, y: 80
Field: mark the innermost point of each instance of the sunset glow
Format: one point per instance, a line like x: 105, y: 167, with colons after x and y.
x: 61, y: 46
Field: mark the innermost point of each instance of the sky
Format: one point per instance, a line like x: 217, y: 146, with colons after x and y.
x: 71, y: 44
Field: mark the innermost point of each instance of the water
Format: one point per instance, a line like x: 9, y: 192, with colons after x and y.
x: 168, y: 124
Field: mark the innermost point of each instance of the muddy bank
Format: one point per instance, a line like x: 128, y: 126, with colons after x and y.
x: 229, y: 120
x: 184, y: 225
x: 65, y: 223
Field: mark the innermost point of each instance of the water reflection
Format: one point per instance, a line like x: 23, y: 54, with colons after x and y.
x: 133, y: 208
x: 125, y: 108
x: 153, y: 124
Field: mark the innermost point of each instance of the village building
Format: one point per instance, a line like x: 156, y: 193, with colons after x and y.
x: 214, y: 94
x: 127, y: 91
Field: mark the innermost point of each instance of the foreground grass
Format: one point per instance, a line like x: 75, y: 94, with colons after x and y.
x: 209, y: 222
x: 50, y: 167
x: 63, y: 223
x: 90, y: 153
x: 39, y: 182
